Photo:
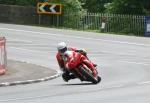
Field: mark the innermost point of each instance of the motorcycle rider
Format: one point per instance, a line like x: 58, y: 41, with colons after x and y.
x: 62, y: 48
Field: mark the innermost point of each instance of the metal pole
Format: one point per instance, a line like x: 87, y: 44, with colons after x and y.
x: 39, y: 19
x: 57, y: 20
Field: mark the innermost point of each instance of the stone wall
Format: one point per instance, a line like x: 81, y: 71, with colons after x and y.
x: 18, y: 14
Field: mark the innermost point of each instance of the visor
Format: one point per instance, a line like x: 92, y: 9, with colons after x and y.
x: 63, y: 50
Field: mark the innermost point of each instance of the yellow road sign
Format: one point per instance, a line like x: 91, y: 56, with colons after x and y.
x: 47, y: 8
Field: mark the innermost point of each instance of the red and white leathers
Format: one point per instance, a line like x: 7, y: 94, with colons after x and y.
x: 61, y: 59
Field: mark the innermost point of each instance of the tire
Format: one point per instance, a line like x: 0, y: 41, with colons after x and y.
x: 98, y: 79
x: 90, y: 76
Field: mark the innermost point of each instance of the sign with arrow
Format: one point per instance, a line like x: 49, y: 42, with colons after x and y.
x: 47, y: 8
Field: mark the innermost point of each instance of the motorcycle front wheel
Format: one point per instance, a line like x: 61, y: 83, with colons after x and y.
x: 90, y: 77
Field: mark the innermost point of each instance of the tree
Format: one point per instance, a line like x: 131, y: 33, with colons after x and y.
x: 69, y: 5
x: 128, y: 7
x: 94, y: 5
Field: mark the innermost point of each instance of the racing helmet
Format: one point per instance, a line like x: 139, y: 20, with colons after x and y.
x: 62, y: 47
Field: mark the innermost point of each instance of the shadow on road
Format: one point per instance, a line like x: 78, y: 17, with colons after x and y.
x: 77, y: 84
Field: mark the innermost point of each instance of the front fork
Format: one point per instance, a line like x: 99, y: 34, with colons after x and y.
x: 90, y: 65
x: 78, y: 74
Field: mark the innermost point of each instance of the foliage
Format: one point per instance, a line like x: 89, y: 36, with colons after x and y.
x: 94, y: 6
x: 128, y: 7
x: 71, y: 7
x: 75, y: 13
x: 108, y: 6
x: 19, y: 2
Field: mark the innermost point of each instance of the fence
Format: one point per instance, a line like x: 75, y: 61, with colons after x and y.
x: 114, y: 23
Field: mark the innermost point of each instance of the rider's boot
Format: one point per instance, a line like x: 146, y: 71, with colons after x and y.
x: 67, y: 77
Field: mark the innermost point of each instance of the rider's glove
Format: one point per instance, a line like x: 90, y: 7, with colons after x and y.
x: 82, y: 51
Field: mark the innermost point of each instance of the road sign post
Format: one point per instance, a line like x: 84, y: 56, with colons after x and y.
x: 147, y: 26
x: 47, y: 8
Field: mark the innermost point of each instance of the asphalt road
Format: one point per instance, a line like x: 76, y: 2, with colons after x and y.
x: 123, y: 63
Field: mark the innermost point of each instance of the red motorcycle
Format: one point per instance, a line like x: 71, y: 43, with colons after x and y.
x: 81, y: 67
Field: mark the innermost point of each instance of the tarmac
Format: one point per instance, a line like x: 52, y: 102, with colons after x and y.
x: 24, y: 73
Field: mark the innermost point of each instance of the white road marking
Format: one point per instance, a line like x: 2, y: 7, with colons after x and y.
x: 138, y: 63
x: 18, y: 30
x: 141, y: 83
x: 29, y: 50
x: 114, y: 41
x: 117, y: 53
x: 18, y: 40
